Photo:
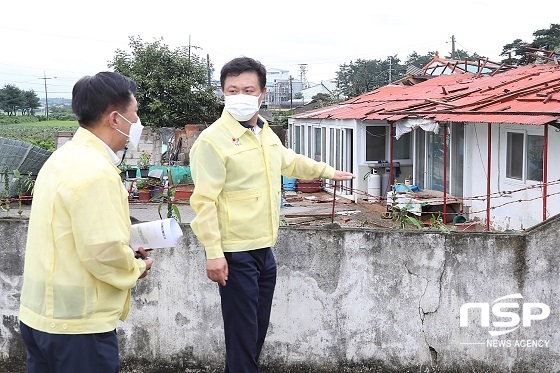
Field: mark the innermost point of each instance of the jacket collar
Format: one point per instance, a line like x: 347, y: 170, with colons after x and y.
x: 237, y: 129
x: 260, y: 123
x: 88, y: 139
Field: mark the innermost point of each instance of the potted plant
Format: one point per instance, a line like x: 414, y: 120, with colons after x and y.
x: 127, y: 170
x: 183, y: 192
x: 24, y: 186
x: 142, y: 186
x: 144, y: 163
x: 184, y: 189
x: 168, y: 197
x: 156, y: 188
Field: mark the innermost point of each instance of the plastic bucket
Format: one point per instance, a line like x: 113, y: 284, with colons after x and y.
x: 288, y: 183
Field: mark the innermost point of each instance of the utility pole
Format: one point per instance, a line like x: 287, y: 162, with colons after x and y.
x: 303, y: 75
x: 390, y: 69
x: 452, y: 47
x: 191, y: 46
x: 291, y: 93
x: 46, y: 95
x: 208, y: 67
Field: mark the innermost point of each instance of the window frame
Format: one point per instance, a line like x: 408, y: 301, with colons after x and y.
x: 525, y: 156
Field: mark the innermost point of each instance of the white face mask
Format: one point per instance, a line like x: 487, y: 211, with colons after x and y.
x: 135, y: 132
x: 242, y: 107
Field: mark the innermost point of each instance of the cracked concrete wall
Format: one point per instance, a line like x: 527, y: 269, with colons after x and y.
x: 368, y: 296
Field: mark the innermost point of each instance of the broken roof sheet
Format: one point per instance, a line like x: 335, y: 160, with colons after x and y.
x: 525, y: 95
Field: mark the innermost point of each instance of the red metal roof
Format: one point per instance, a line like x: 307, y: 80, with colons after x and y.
x: 525, y: 95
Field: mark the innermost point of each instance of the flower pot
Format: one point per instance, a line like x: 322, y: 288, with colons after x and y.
x: 131, y: 173
x: 155, y: 191
x: 183, y: 193
x: 143, y: 194
x: 144, y: 172
x: 309, y: 186
x: 26, y: 199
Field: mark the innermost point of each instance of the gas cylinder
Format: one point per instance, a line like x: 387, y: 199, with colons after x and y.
x: 374, y: 185
x: 385, y: 187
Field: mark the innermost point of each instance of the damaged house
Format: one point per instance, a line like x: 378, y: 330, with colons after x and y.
x: 480, y: 138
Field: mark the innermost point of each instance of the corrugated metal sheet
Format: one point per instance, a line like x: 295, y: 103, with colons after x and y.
x: 496, y: 118
x: 21, y: 156
x: 525, y: 95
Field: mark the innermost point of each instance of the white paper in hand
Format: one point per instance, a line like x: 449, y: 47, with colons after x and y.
x: 155, y: 234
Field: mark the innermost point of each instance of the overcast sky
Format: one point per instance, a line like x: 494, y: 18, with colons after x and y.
x: 68, y: 39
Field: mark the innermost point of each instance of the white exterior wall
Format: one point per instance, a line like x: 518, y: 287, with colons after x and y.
x: 357, y: 189
x: 347, y: 161
x: 515, y: 204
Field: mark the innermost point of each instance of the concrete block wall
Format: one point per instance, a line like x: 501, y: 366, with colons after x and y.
x: 150, y: 141
x: 384, y: 300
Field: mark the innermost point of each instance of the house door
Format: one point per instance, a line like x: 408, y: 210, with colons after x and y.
x: 434, y: 152
x: 430, y: 151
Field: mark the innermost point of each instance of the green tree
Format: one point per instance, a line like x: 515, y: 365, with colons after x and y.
x: 324, y: 99
x: 61, y: 112
x: 463, y: 55
x: 548, y: 39
x: 173, y: 86
x: 11, y: 99
x: 419, y: 61
x: 362, y: 76
x: 516, y: 51
x: 31, y: 102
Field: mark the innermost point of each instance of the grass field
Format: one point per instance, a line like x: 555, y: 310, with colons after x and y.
x: 37, y: 133
x: 48, y: 123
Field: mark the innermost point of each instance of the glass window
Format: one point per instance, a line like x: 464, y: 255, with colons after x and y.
x: 297, y: 139
x: 420, y: 170
x: 457, y: 158
x: 535, y: 146
x: 375, y: 143
x: 317, y: 143
x: 323, y: 144
x: 309, y: 142
x: 338, y: 149
x: 401, y: 147
x: 514, y: 157
x: 524, y: 157
x: 331, y: 146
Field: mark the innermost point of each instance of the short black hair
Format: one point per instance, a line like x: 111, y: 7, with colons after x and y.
x: 93, y: 95
x: 241, y: 65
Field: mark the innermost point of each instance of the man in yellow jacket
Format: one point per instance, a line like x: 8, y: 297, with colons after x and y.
x: 237, y: 164
x: 79, y: 268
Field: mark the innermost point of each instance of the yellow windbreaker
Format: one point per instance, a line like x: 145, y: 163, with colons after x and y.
x: 238, y: 185
x: 78, y: 268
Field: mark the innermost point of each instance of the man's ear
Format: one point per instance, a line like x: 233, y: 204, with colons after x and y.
x: 113, y: 119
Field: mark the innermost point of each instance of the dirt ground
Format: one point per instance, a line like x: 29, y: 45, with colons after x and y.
x: 316, y: 209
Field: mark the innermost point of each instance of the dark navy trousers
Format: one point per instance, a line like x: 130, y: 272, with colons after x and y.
x: 246, y: 303
x: 64, y: 353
